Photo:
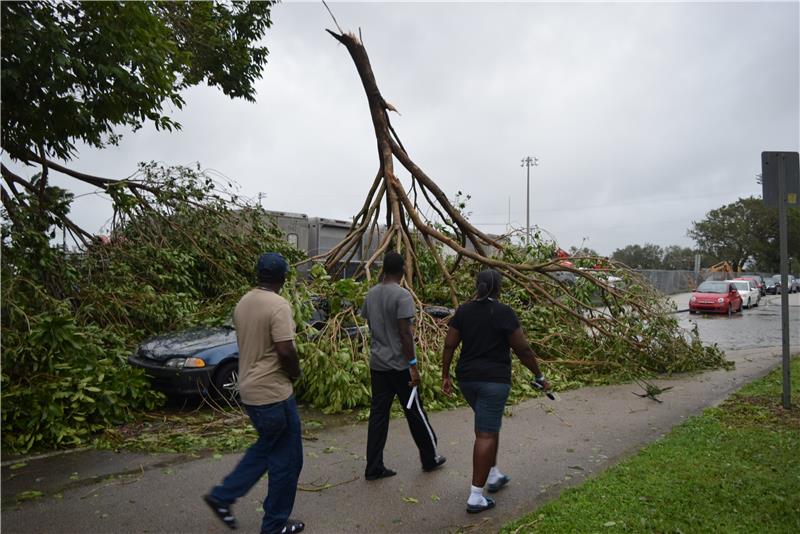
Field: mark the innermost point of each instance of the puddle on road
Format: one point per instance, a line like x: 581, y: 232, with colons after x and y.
x: 756, y: 327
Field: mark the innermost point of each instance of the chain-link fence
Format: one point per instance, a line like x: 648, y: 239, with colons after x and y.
x: 671, y: 282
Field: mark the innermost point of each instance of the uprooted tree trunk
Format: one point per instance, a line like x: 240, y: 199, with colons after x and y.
x: 407, y: 227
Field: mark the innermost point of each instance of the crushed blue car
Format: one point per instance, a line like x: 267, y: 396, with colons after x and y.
x: 205, y: 360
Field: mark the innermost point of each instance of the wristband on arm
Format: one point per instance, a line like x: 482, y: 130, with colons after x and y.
x: 412, y: 362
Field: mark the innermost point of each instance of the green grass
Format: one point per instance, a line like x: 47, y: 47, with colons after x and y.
x: 735, y: 468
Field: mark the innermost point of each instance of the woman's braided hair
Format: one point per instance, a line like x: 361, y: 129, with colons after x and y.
x: 487, y: 284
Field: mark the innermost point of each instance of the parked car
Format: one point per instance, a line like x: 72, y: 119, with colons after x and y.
x: 793, y: 284
x: 772, y: 286
x: 199, y: 360
x: 759, y: 280
x: 748, y: 290
x: 205, y: 360
x: 716, y: 296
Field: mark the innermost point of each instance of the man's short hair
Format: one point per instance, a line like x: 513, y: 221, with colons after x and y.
x: 393, y: 263
x: 265, y: 277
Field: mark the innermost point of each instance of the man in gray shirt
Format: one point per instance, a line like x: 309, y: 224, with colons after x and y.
x: 389, y: 311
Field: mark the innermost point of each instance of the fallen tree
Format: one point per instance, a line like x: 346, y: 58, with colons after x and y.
x: 624, y: 314
x: 70, y: 319
x: 173, y: 259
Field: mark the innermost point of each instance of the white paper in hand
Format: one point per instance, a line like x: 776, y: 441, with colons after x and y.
x: 411, y: 398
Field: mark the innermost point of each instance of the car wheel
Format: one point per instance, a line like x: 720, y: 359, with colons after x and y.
x: 693, y: 312
x: 748, y: 304
x: 226, y: 382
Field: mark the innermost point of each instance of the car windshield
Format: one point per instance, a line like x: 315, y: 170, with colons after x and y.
x: 742, y: 286
x: 713, y: 287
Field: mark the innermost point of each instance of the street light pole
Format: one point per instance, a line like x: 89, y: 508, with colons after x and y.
x: 528, y: 162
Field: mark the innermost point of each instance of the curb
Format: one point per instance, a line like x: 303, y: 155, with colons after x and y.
x: 43, y: 456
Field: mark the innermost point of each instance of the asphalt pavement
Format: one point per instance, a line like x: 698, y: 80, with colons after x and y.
x: 759, y: 326
x: 545, y: 447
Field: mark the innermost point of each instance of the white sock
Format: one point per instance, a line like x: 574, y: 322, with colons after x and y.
x: 495, y: 475
x: 476, y: 497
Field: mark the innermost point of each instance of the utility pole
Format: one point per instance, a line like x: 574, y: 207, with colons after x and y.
x: 784, y: 252
x: 508, y: 225
x: 780, y: 180
x: 528, y: 162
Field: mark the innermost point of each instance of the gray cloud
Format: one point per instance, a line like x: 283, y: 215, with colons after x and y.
x: 644, y: 116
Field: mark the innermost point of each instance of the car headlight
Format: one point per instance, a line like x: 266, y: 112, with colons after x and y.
x: 720, y: 300
x: 180, y: 363
x: 692, y: 299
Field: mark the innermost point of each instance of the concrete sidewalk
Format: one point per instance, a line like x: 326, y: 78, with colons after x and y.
x: 545, y: 447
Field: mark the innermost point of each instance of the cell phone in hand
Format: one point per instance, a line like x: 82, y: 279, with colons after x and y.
x: 550, y: 394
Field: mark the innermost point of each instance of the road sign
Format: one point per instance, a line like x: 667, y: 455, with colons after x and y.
x: 770, y: 163
x: 780, y: 173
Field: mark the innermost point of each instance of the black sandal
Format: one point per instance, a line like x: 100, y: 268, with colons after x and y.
x: 478, y: 508
x: 493, y: 488
x: 292, y: 526
x: 222, y: 511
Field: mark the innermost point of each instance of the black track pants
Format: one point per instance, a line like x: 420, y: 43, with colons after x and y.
x: 385, y: 385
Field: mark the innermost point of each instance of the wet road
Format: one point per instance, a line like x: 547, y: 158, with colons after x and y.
x: 756, y: 327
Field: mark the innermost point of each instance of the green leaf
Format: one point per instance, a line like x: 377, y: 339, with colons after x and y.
x: 29, y: 495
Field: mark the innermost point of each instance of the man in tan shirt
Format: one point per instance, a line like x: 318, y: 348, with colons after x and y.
x: 268, y: 364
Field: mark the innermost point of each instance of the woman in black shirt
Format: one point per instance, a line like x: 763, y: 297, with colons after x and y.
x: 486, y: 330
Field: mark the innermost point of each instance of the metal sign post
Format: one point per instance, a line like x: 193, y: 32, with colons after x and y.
x: 781, y: 185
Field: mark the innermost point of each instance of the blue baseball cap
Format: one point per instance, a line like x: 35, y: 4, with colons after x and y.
x: 272, y: 264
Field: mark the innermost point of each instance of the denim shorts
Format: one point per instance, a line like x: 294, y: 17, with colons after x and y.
x: 488, y: 401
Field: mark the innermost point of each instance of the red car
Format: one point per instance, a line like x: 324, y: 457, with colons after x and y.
x: 718, y: 296
x: 759, y: 282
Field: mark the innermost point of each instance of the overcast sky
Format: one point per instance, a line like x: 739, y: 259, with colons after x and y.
x: 643, y: 116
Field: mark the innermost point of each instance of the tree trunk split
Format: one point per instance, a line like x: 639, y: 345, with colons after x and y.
x: 407, y: 227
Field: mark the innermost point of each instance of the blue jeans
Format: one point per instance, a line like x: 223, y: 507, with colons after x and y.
x: 279, y: 452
